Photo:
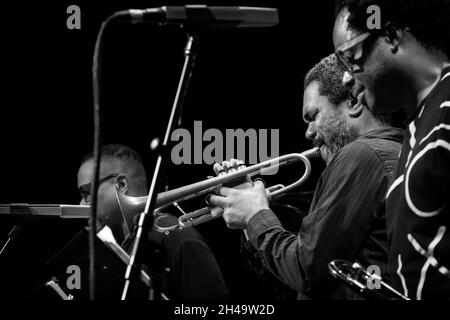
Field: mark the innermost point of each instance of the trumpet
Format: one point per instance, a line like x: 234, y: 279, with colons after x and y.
x: 357, y: 278
x: 205, y: 214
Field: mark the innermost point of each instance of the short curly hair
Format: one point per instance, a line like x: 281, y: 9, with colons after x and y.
x: 117, y: 151
x: 428, y: 20
x: 126, y: 158
x: 329, y: 73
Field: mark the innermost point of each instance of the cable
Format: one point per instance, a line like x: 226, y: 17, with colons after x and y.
x: 96, y: 69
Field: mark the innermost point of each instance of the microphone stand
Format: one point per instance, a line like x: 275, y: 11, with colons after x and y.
x: 146, y: 217
x: 25, y: 216
x: 11, y: 236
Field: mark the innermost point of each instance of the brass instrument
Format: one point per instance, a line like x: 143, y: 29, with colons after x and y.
x: 357, y: 278
x: 199, y: 216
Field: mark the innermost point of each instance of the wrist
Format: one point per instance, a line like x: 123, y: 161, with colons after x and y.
x: 250, y: 216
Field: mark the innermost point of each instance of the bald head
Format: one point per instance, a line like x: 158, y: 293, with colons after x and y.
x: 122, y: 164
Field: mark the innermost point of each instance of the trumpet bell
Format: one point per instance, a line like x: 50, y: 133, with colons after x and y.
x: 131, y: 204
x: 357, y: 278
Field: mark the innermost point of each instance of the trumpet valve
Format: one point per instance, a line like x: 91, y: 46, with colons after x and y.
x: 218, y: 169
x: 241, y: 165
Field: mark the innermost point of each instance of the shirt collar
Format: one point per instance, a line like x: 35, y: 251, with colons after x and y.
x: 390, y: 133
x: 422, y: 103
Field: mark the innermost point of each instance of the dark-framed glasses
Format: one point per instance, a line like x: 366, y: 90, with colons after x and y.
x: 352, y: 52
x: 85, y: 189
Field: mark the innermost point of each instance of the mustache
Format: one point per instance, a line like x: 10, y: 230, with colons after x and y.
x: 318, y: 142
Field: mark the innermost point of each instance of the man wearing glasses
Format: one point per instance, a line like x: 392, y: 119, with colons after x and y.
x: 406, y: 65
x: 194, y: 273
x: 361, y: 152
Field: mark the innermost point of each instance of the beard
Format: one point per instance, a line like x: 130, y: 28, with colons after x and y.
x: 334, y: 133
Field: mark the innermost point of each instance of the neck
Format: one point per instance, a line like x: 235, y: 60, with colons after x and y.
x: 366, y: 122
x: 425, y: 73
x: 370, y: 125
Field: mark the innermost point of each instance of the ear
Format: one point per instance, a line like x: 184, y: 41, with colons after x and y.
x: 356, y: 110
x: 392, y: 35
x: 121, y: 183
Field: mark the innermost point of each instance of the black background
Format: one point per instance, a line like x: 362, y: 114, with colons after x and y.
x: 243, y: 79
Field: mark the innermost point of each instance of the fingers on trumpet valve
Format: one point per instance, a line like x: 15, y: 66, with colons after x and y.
x: 236, y: 165
x: 207, y: 199
x: 218, y: 170
x: 228, y: 166
x: 225, y: 168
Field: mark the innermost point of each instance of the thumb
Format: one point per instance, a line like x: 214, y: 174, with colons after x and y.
x: 263, y: 195
x: 258, y: 185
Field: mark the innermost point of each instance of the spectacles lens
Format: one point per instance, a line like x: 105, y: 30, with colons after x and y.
x: 85, y: 192
x: 351, y: 54
x: 344, y: 60
x: 357, y: 52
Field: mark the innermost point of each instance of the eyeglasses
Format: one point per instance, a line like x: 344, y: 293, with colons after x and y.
x: 352, y: 52
x: 85, y: 189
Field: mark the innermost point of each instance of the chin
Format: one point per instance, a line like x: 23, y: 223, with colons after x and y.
x: 391, y: 91
x: 382, y: 100
x: 386, y: 102
x: 325, y: 153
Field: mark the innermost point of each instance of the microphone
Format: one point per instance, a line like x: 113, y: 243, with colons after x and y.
x: 202, y: 16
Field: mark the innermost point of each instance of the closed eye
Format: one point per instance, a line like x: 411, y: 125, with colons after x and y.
x: 85, y: 190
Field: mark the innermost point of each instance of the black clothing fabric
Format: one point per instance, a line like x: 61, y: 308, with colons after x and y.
x: 345, y: 219
x: 189, y: 268
x: 418, y: 203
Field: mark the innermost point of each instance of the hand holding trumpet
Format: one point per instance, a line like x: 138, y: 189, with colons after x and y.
x: 241, y: 202
x: 240, y: 205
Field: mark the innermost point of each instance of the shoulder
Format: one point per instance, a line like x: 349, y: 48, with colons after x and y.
x: 439, y: 99
x: 443, y: 96
x: 444, y: 84
x: 353, y: 161
x: 367, y: 155
x: 355, y: 154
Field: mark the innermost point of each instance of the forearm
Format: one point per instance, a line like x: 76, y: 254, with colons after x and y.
x: 279, y: 247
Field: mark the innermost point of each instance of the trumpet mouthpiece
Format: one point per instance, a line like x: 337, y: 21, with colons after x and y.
x: 312, y: 153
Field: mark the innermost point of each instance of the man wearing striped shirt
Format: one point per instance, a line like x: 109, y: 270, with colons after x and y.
x: 406, y: 65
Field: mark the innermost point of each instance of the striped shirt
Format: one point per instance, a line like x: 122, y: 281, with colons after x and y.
x: 418, y: 203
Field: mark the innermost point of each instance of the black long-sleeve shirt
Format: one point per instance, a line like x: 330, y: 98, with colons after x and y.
x: 192, y: 272
x: 346, y: 220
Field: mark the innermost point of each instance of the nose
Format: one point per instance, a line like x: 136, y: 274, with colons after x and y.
x: 311, y: 132
x: 355, y: 69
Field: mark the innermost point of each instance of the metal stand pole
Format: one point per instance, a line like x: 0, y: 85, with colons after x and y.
x: 146, y: 217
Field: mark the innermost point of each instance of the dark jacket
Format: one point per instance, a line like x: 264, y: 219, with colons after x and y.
x: 346, y: 219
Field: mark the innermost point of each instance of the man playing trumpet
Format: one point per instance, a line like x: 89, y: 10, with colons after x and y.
x: 345, y: 221
x: 193, y: 272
